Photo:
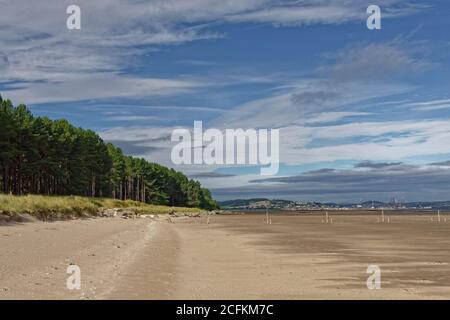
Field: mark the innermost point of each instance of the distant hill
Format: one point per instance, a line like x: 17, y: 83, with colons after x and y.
x: 279, y: 204
x: 264, y: 203
x: 240, y: 202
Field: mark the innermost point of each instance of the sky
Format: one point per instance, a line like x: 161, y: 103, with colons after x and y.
x: 363, y: 114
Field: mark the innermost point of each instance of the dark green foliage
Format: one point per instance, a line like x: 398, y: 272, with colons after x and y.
x: 52, y: 157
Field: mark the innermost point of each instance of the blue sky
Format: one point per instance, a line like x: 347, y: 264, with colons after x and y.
x: 363, y: 114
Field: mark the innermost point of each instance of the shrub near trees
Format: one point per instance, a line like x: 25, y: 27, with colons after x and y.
x: 52, y: 157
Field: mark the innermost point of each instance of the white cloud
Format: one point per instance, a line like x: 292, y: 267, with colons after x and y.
x: 328, y: 14
x: 429, y: 105
x: 133, y: 118
x: 374, y: 61
x: 321, y: 12
x: 391, y: 140
x: 96, y: 86
x: 335, y: 116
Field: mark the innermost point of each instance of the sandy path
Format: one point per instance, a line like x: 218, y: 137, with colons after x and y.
x: 34, y: 256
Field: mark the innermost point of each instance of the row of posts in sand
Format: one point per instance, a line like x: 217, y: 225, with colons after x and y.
x: 438, y: 218
x: 383, y: 218
x: 327, y: 219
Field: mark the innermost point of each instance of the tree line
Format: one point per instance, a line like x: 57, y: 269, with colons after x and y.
x: 52, y: 157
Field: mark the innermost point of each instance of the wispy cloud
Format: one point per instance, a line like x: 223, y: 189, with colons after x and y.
x: 298, y: 13
x: 375, y: 61
x: 388, y: 140
x: 209, y: 175
x: 442, y: 164
x: 431, y: 105
x: 376, y: 165
x: 86, y: 86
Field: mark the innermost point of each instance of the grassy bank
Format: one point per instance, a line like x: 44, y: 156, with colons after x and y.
x: 45, y: 207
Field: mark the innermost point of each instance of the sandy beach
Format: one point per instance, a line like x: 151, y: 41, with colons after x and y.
x: 232, y: 257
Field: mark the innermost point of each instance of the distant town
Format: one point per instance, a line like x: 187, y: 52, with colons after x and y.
x: 288, y: 205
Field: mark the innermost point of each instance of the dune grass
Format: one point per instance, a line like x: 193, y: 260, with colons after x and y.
x: 47, y: 206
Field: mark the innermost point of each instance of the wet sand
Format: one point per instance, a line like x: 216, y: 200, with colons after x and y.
x: 233, y: 257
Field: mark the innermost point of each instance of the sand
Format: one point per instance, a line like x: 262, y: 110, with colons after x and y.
x: 232, y: 257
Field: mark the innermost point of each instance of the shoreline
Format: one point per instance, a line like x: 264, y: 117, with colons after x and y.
x: 232, y: 257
